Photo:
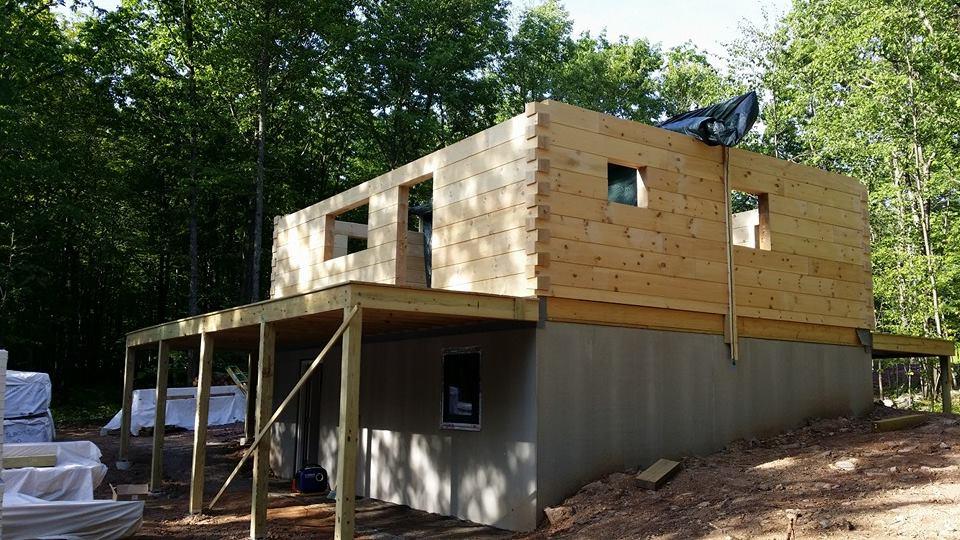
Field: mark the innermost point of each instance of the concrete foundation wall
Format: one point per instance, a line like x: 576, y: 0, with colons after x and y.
x: 486, y: 476
x: 614, y: 398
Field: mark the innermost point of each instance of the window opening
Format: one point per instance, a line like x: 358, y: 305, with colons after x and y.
x: 625, y: 185
x: 461, y: 389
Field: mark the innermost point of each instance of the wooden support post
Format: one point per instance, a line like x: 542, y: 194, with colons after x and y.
x: 129, y: 366
x: 261, y: 456
x: 349, y: 428
x: 200, y: 425
x: 403, y: 210
x: 249, y: 420
x: 946, y: 385
x: 160, y: 417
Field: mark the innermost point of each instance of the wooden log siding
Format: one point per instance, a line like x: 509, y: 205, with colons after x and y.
x: 480, y: 210
x: 521, y: 209
x: 671, y: 253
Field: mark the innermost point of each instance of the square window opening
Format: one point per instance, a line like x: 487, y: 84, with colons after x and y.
x: 625, y: 185
x: 750, y: 220
x: 461, y: 398
x: 350, y: 231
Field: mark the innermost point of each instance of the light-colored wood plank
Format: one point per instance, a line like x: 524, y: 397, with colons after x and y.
x: 415, y: 171
x: 349, y: 432
x: 160, y: 416
x: 609, y: 314
x: 487, y: 246
x: 912, y: 345
x: 745, y: 159
x: 20, y: 462
x: 615, y: 257
x: 200, y: 424
x: 900, y: 422
x: 654, y: 476
x: 629, y: 153
x: 264, y: 410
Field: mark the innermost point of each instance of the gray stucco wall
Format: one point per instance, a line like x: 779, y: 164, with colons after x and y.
x: 614, y: 398
x: 486, y: 476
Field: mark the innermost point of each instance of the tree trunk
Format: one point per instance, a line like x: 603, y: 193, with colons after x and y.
x: 258, y: 204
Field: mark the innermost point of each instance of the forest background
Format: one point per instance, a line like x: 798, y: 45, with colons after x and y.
x: 144, y: 150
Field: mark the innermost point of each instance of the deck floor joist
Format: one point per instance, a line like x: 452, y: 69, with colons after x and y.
x: 309, y: 317
x: 899, y: 346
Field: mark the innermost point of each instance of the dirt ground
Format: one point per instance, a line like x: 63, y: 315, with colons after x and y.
x: 831, y: 478
x: 289, y: 516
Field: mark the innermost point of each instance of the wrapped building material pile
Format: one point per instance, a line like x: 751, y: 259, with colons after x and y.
x: 228, y: 405
x: 46, y: 488
x: 26, y: 416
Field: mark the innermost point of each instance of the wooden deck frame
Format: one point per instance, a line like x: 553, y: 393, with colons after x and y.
x: 899, y: 346
x: 266, y: 322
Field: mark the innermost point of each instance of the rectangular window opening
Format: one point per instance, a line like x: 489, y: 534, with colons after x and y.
x: 350, y: 231
x: 461, y: 389
x: 625, y: 185
x: 750, y: 220
x: 420, y: 234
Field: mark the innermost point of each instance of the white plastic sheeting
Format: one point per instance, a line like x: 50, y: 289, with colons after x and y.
x: 28, y: 430
x: 26, y: 393
x: 77, y: 473
x: 26, y: 517
x: 26, y: 415
x: 228, y: 405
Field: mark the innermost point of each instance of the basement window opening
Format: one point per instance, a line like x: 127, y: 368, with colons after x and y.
x: 750, y: 220
x: 625, y: 185
x: 461, y: 389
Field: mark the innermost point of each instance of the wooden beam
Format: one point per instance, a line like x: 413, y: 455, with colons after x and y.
x: 19, y: 462
x: 160, y: 416
x: 249, y: 419
x: 900, y: 422
x: 349, y: 428
x: 129, y: 366
x: 337, y: 297
x: 263, y: 430
x: 657, y: 474
x: 200, y: 425
x: 891, y: 345
x: 261, y: 456
x: 946, y: 385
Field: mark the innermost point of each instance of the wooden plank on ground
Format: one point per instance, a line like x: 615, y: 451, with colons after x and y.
x: 657, y: 474
x: 900, y: 422
x: 19, y: 462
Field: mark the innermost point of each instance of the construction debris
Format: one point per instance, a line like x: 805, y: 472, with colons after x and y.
x: 899, y: 422
x: 658, y: 473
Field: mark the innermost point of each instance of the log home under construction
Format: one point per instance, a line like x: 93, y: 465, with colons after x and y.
x: 580, y: 298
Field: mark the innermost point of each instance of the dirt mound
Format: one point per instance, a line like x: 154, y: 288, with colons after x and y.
x: 832, y: 477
